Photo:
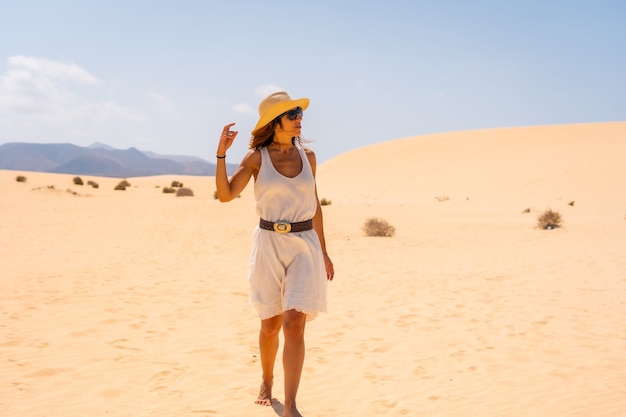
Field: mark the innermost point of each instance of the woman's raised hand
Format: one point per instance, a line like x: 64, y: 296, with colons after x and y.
x: 226, y: 139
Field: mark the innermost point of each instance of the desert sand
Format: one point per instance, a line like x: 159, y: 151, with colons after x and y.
x: 134, y: 303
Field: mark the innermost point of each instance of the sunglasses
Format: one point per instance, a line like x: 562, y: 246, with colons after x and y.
x: 293, y: 113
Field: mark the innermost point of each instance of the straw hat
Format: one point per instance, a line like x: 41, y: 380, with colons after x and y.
x: 276, y: 104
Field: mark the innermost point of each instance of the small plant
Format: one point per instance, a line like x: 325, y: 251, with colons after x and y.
x: 177, y: 184
x: 378, y: 227
x: 78, y: 181
x: 121, y: 186
x: 20, y: 178
x: 549, y: 220
x: 442, y: 198
x: 526, y: 210
x: 571, y: 203
x: 168, y: 190
x: 184, y: 192
x: 325, y: 202
x: 93, y: 184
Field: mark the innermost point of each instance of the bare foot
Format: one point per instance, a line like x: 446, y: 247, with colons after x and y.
x: 265, y: 395
x: 291, y: 412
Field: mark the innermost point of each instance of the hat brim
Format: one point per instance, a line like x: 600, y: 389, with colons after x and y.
x: 279, y: 109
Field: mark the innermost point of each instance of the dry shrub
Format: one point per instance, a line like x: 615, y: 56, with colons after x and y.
x: 378, y: 227
x: 122, y: 185
x: 78, y: 181
x: 325, y: 202
x: 20, y: 178
x: 168, y: 190
x: 177, y: 184
x: 93, y: 184
x: 549, y: 219
x: 184, y: 192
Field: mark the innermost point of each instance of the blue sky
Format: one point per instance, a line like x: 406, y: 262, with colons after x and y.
x: 166, y: 76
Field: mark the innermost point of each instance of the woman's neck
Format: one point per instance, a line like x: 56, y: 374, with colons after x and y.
x: 282, y: 142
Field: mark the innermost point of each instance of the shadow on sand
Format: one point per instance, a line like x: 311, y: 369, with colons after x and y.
x: 278, y: 407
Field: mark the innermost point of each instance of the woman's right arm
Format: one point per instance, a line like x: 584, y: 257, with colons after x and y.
x: 229, y: 189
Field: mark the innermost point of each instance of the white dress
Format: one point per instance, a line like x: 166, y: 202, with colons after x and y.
x: 286, y: 270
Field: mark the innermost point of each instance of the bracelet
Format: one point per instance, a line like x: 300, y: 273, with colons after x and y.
x: 220, y: 157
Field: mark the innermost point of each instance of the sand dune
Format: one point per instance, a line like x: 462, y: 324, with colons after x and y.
x: 551, y: 162
x: 134, y: 303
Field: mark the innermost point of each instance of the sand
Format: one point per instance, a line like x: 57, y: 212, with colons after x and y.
x: 134, y: 303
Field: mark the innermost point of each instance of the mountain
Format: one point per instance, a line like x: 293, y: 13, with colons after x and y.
x: 100, y: 160
x: 99, y: 145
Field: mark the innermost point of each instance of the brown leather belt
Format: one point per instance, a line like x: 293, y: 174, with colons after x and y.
x: 284, y: 227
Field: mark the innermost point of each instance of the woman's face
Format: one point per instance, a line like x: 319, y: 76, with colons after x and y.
x: 291, y: 122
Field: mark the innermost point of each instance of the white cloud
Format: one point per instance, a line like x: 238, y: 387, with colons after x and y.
x: 36, y: 90
x: 243, y: 108
x: 261, y: 91
x: 51, y: 69
x: 267, y: 89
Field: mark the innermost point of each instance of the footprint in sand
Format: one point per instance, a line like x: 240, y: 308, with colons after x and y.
x: 49, y: 372
x: 119, y: 344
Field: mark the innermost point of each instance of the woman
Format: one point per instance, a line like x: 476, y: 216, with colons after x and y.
x: 289, y: 265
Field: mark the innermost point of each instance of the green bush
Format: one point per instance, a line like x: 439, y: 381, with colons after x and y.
x: 378, y: 227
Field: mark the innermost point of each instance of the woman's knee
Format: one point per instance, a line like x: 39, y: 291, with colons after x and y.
x: 293, y: 323
x: 271, y: 327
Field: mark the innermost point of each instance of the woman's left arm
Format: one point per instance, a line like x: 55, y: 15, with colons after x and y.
x: 318, y: 223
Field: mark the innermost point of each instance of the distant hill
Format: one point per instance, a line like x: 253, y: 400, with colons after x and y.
x: 100, y: 160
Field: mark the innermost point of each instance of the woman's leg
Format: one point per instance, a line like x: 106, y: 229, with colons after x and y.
x: 293, y: 357
x: 268, y: 347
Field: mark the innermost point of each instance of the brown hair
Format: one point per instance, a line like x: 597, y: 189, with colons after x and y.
x: 265, y: 135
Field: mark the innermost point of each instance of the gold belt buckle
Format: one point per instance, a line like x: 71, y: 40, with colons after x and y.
x: 280, y: 227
